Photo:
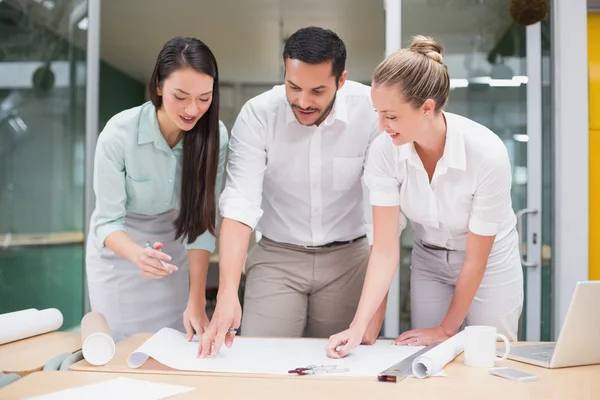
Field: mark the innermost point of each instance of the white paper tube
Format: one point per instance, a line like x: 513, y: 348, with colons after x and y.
x: 436, y: 359
x: 9, y: 318
x: 98, y: 346
x: 28, y: 323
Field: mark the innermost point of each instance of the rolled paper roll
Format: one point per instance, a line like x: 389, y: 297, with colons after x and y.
x: 436, y: 359
x: 27, y: 323
x: 8, y: 318
x: 98, y: 346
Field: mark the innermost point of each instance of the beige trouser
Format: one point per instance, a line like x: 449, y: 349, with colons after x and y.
x: 498, y: 301
x: 292, y: 291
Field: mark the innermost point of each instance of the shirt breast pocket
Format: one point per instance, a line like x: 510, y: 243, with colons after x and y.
x: 139, y: 195
x: 347, y: 172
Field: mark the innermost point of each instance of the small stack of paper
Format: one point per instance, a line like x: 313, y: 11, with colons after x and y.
x: 118, y: 388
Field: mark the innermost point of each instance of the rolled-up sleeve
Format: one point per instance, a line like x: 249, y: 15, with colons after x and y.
x: 109, y: 185
x: 382, y: 185
x: 380, y: 177
x: 207, y: 240
x: 492, y: 201
x: 242, y: 197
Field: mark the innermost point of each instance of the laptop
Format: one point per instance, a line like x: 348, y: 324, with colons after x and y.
x: 579, y: 339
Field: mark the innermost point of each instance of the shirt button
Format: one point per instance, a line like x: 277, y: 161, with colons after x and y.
x: 170, y: 180
x: 172, y: 156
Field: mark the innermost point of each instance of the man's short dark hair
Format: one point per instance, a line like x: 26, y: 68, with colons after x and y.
x: 314, y: 45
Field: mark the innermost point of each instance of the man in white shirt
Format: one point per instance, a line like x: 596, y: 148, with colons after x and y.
x: 297, y: 154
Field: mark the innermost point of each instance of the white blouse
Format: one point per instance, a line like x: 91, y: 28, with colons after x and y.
x: 469, y: 191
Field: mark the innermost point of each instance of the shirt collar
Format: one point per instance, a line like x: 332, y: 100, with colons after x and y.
x: 149, y: 131
x: 454, y: 149
x: 339, y: 112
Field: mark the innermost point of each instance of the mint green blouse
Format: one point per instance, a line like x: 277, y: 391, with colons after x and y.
x: 136, y: 171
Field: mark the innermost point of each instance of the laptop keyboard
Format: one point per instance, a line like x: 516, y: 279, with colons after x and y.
x: 542, y: 352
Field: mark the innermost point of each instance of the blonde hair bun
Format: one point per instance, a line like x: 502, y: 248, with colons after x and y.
x: 428, y: 47
x: 418, y: 72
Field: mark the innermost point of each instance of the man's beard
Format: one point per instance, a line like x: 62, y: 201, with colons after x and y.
x: 321, y: 116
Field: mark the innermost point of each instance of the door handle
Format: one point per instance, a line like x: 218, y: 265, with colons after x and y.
x: 520, y: 215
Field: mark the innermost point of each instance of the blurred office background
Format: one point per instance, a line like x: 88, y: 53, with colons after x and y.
x: 503, y: 76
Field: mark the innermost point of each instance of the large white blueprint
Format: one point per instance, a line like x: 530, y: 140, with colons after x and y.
x: 266, y: 355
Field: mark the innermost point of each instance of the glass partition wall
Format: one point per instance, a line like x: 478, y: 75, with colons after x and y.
x: 42, y: 157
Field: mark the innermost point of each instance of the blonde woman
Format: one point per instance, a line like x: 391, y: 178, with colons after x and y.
x: 451, y: 178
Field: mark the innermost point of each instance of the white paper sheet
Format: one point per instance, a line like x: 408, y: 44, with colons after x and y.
x: 26, y: 323
x: 118, y: 388
x: 266, y: 356
x: 434, y: 360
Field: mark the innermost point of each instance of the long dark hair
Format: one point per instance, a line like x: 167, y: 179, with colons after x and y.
x: 197, y: 212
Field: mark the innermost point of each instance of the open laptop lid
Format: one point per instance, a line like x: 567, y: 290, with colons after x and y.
x: 579, y: 339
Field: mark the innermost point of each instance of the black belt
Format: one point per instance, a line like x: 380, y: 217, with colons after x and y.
x: 326, y: 245
x: 336, y: 243
x: 434, y: 247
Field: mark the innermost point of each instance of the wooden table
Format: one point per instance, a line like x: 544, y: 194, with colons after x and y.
x: 461, y: 382
x: 28, y: 355
x: 210, y: 387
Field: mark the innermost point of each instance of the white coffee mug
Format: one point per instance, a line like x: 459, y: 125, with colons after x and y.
x: 480, y: 346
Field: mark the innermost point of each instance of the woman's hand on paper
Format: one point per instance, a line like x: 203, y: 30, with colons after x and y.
x: 342, y: 343
x: 195, y: 319
x: 422, y: 337
x: 153, y: 263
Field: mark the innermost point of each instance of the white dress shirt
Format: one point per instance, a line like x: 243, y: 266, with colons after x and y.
x: 469, y: 191
x: 301, y: 184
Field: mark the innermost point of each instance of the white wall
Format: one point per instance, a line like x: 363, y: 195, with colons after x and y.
x: 247, y: 36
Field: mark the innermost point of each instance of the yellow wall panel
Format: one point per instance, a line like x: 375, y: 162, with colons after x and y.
x: 594, y: 68
x: 594, y: 270
x: 594, y: 95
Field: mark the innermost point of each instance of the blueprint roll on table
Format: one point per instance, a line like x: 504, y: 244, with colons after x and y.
x: 27, y: 323
x: 437, y: 358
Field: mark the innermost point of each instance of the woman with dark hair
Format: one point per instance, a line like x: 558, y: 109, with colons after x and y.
x: 158, y: 171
